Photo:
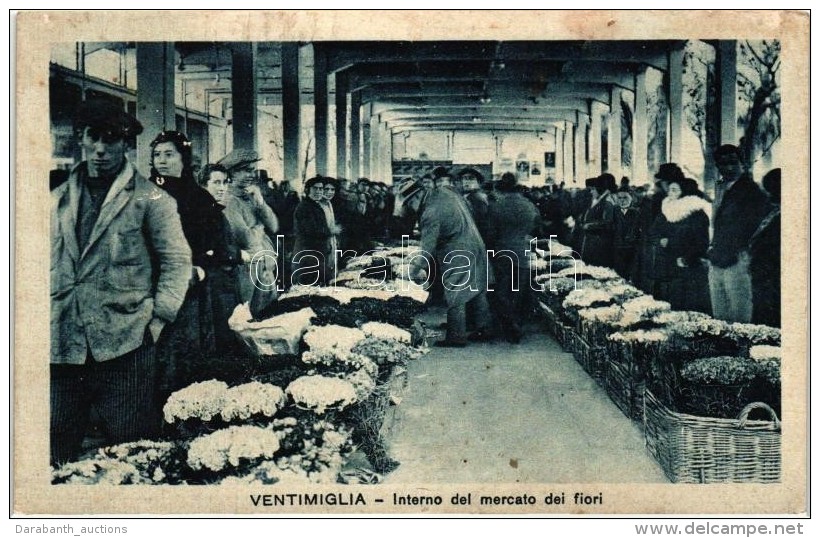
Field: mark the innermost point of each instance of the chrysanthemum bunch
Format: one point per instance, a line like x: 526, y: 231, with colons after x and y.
x: 319, y: 393
x: 232, y: 447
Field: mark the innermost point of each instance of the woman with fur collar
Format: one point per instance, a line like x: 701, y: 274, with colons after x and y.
x: 680, y: 237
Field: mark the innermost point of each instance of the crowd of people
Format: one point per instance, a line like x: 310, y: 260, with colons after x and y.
x: 145, y: 272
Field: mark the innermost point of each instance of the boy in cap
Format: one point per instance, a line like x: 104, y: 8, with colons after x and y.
x: 120, y: 270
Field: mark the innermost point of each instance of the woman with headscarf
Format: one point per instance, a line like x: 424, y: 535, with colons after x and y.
x: 312, y: 250
x: 190, y: 336
x: 680, y: 237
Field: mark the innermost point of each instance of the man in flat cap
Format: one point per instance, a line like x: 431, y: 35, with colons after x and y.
x: 450, y: 237
x: 120, y: 267
x: 251, y: 219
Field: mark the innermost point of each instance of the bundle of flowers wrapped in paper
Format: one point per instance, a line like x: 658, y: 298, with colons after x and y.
x: 702, y: 338
x: 276, y: 335
x: 319, y: 394
x: 232, y: 449
x: 717, y: 386
x: 139, y: 462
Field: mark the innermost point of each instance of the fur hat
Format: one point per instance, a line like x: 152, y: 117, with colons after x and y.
x: 669, y: 172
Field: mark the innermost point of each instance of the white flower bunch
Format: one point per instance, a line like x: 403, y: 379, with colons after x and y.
x: 333, y: 337
x: 639, y: 337
x: 646, y: 306
x: 98, y: 470
x: 676, y: 316
x: 385, y: 331
x: 383, y: 351
x: 360, y: 262
x: 335, y: 357
x: 703, y: 327
x: 585, y: 298
x: 601, y: 314
x: 254, y: 398
x: 622, y: 291
x: 756, y: 334
x: 231, y: 447
x: 319, y: 393
x: 363, y: 383
x: 765, y: 353
x: 202, y: 400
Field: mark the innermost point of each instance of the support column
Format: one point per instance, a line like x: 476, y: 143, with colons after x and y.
x: 594, y: 163
x: 727, y: 86
x: 558, y: 147
x: 155, y: 100
x: 675, y: 99
x: 569, y: 154
x: 580, y: 147
x: 244, y: 91
x: 387, y: 152
x: 290, y: 111
x: 342, y: 87
x: 367, y: 111
x: 639, y: 131
x: 614, y: 165
x: 320, y: 107
x: 375, y: 144
x: 355, y: 132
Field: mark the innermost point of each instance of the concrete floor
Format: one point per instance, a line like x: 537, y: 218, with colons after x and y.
x: 502, y: 413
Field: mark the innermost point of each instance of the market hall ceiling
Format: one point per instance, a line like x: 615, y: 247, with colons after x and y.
x: 446, y: 85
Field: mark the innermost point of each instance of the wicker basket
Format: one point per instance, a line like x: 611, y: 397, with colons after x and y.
x: 591, y: 358
x: 565, y: 336
x: 625, y: 386
x: 701, y: 450
x: 549, y: 317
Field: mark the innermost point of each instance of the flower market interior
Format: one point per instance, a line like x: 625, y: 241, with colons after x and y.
x: 395, y: 262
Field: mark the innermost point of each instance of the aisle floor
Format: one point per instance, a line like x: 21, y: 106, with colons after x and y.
x: 501, y: 413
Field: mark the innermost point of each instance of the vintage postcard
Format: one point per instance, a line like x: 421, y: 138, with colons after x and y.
x: 411, y: 262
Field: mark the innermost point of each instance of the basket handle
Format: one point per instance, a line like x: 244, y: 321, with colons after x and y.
x: 744, y: 414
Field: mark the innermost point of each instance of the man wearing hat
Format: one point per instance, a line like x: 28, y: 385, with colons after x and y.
x: 251, y: 219
x: 476, y: 198
x: 740, y: 207
x: 449, y: 235
x: 120, y: 267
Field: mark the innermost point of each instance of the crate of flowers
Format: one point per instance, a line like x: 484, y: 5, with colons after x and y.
x: 698, y: 449
x: 597, y: 323
x: 583, y: 298
x: 625, y: 388
x: 590, y: 357
x: 630, y: 352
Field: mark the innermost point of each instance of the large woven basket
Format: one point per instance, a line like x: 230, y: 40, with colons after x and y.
x: 625, y: 385
x: 693, y: 449
x: 590, y: 357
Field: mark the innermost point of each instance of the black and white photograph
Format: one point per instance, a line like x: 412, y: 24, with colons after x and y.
x: 302, y: 266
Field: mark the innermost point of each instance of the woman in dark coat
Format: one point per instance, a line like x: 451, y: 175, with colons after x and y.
x: 680, y: 237
x: 190, y: 337
x: 597, y: 227
x: 313, y: 237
